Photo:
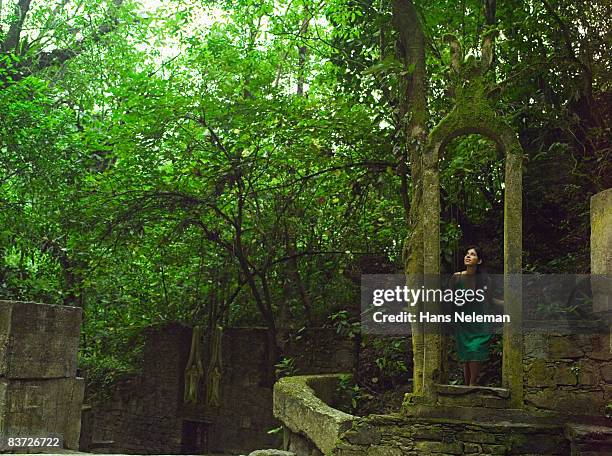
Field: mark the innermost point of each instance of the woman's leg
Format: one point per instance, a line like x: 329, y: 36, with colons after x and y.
x: 466, y: 373
x: 474, y: 370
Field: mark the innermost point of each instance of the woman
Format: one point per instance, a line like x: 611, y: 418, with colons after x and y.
x: 472, y: 339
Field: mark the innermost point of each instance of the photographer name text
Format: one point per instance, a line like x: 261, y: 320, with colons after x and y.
x: 428, y: 317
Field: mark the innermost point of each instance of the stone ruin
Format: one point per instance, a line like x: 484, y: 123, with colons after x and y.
x: 556, y: 386
x: 566, y: 380
x: 40, y: 394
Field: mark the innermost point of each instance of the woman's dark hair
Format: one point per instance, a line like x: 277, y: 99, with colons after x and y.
x: 482, y: 278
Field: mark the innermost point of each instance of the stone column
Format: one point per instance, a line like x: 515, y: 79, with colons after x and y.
x: 601, y: 254
x: 512, y: 362
x: 40, y: 395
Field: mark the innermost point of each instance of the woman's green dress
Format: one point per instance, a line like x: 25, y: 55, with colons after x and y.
x: 471, y: 339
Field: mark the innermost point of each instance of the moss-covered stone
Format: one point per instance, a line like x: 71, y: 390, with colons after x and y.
x: 39, y: 392
x: 601, y: 238
x: 271, y: 452
x: 474, y: 113
x: 297, y: 406
x: 383, y: 450
x: 539, y: 444
x: 568, y: 401
x: 536, y: 345
x: 563, y: 347
x: 565, y: 374
x: 472, y: 448
x: 538, y: 374
x: 588, y: 372
x: 439, y: 447
x: 363, y: 435
x: 606, y: 372
x: 476, y: 437
x: 495, y: 449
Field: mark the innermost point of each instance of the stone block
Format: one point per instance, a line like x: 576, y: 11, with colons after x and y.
x: 588, y: 372
x: 606, y: 372
x: 564, y: 375
x: 298, y: 444
x: 38, y: 340
x: 429, y: 433
x: 384, y: 450
x: 539, y: 374
x: 494, y: 449
x: 439, y: 447
x: 358, y: 451
x: 476, y: 437
x: 470, y: 448
x: 364, y: 435
x: 271, y: 452
x: 563, y: 347
x: 40, y: 408
x: 544, y: 444
x: 569, y: 401
x: 536, y: 345
x: 601, y: 247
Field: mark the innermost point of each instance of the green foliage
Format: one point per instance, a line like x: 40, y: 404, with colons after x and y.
x: 385, y: 363
x: 344, y: 325
x: 235, y: 161
x: 286, y: 367
x: 351, y: 393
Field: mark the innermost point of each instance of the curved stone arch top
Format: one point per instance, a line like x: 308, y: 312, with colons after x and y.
x: 474, y: 115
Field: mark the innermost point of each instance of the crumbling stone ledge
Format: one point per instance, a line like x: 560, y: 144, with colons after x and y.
x: 298, y: 404
x: 313, y: 427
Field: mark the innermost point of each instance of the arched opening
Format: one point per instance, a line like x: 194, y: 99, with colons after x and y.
x: 461, y: 122
x: 471, y: 170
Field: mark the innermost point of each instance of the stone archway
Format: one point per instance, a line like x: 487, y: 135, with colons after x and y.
x: 473, y: 113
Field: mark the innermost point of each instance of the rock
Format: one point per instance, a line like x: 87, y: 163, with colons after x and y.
x: 563, y: 375
x: 271, y: 452
x: 562, y: 347
x: 364, y: 435
x: 380, y: 450
x: 494, y: 449
x: 588, y: 373
x: 538, y: 374
x: 472, y: 448
x: 535, y: 345
x: 477, y: 437
x: 43, y: 340
x: 606, y: 372
x: 439, y: 447
x: 297, y: 406
x: 576, y: 402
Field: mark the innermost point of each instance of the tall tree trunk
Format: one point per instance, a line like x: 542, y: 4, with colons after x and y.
x: 413, y: 120
x: 302, y: 62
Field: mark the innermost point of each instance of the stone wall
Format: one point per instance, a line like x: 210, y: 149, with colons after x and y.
x: 143, y: 414
x: 568, y: 373
x: 321, y: 351
x: 242, y: 422
x: 40, y: 395
x: 312, y: 427
x: 396, y: 435
x: 146, y: 415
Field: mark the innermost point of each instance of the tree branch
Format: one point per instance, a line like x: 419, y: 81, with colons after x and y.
x: 11, y: 42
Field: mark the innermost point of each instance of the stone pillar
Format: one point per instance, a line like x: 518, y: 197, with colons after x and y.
x: 432, y: 340
x: 512, y: 361
x: 601, y: 254
x: 40, y: 395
